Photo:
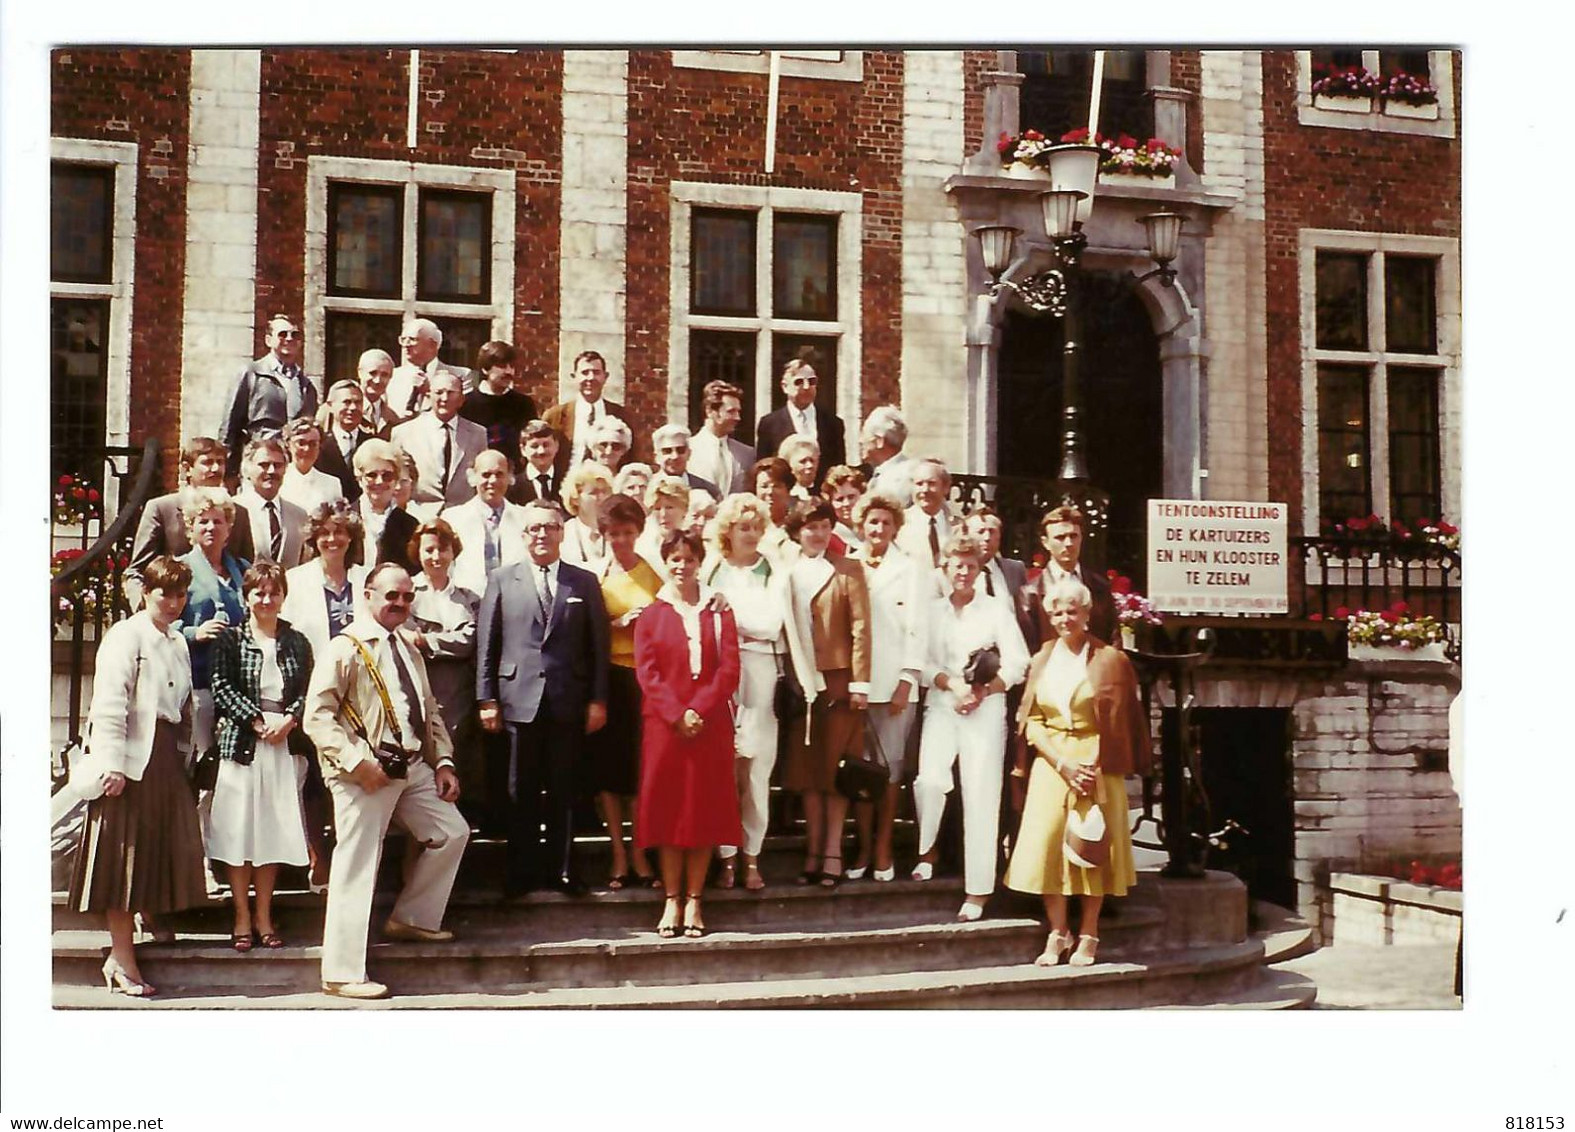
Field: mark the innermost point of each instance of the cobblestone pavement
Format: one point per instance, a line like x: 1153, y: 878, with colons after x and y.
x: 1354, y: 977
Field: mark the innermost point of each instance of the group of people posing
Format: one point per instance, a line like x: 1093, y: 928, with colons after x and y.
x: 427, y: 607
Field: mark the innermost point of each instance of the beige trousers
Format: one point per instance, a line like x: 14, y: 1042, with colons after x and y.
x: 361, y: 822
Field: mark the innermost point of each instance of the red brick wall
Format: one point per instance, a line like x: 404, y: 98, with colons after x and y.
x: 975, y: 64
x: 140, y: 95
x: 696, y: 125
x: 1186, y: 73
x: 490, y: 110
x: 1356, y: 180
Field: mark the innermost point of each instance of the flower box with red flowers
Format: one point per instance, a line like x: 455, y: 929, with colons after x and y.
x: 1345, y: 88
x: 1395, y: 633
x: 76, y: 501
x: 1133, y: 610
x: 1408, y: 96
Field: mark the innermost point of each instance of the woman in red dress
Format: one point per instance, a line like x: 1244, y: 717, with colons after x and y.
x: 686, y: 659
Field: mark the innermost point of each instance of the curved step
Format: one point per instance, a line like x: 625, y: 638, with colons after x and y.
x: 1197, y: 977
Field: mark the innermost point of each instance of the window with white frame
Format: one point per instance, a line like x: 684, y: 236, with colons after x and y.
x: 92, y: 238
x: 388, y: 241
x: 762, y: 276
x: 1381, y: 330
x: 1392, y: 91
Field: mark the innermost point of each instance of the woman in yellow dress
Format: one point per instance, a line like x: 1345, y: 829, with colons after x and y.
x: 1086, y: 731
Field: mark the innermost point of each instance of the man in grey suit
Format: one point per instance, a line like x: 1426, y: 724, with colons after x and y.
x: 443, y: 445
x: 671, y: 443
x: 269, y: 393
x: 1001, y: 577
x: 161, y: 528
x: 542, y: 647
x: 277, y: 525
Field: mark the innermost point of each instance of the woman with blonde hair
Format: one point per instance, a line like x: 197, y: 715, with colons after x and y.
x: 666, y: 507
x: 965, y: 718
x: 141, y: 845
x: 1086, y: 731
x: 584, y: 489
x: 213, y: 601
x: 768, y: 644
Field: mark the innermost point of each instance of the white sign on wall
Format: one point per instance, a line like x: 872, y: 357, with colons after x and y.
x: 1215, y: 556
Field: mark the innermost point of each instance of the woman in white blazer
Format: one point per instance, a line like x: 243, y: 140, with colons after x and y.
x: 325, y: 593
x: 141, y: 847
x: 898, y: 594
x: 965, y: 723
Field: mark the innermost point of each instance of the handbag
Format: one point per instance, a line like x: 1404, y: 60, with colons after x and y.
x: 1087, y: 841
x: 984, y: 665
x: 84, y: 772
x: 205, y: 771
x: 787, y: 698
x: 863, y: 777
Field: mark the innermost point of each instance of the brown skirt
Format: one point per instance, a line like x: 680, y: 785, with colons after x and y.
x: 835, y: 730
x: 141, y: 851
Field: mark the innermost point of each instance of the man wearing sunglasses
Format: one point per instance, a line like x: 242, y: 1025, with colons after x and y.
x: 269, y: 393
x: 803, y: 416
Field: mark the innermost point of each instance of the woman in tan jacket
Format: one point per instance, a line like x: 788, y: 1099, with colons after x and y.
x: 830, y: 604
x: 1086, y: 731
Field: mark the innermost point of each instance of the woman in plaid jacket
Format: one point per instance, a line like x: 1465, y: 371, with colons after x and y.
x: 252, y: 821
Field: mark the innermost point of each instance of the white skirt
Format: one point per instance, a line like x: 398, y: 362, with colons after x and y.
x: 253, y: 815
x: 755, y: 723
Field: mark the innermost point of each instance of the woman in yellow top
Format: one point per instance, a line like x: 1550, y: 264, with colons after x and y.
x: 1086, y: 731
x: 629, y: 584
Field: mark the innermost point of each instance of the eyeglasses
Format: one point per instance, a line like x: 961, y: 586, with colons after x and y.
x: 804, y: 382
x: 287, y: 334
x: 399, y: 597
x: 543, y: 528
x: 408, y: 339
x: 379, y: 477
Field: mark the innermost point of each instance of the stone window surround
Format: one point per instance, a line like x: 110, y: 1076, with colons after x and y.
x: 1446, y: 251
x: 317, y: 300
x: 765, y: 200
x: 1441, y: 72
x: 804, y: 63
x: 122, y: 156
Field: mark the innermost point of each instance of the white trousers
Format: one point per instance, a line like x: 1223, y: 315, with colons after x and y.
x: 976, y: 744
x: 756, y: 738
x: 361, y: 822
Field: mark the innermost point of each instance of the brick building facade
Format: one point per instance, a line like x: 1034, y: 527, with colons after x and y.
x: 696, y: 213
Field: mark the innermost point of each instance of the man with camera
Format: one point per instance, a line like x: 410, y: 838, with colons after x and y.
x: 385, y: 754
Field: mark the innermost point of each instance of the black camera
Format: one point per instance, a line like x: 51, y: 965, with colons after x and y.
x: 395, y: 763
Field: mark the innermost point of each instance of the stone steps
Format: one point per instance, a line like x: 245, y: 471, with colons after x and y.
x: 1226, y: 975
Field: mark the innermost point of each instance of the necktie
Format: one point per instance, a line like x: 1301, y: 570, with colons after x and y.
x: 275, y: 532
x: 546, y: 485
x: 418, y: 392
x: 935, y: 541
x: 408, y: 687
x: 544, y: 596
x: 491, y: 550
x: 590, y: 419
x: 448, y: 457
x: 989, y: 582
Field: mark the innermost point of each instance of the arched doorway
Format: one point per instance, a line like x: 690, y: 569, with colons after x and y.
x: 1123, y: 408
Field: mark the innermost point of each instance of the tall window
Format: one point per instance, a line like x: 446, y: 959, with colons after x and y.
x: 1056, y: 86
x: 397, y: 241
x: 81, y: 256
x: 764, y: 286
x: 1379, y: 379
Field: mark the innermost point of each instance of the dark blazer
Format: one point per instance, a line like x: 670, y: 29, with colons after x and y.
x: 393, y: 545
x: 161, y: 530
x: 528, y: 668
x: 333, y: 462
x: 237, y: 673
x: 1035, y: 622
x: 241, y: 423
x: 561, y: 418
x: 527, y: 490
x: 704, y: 485
x: 777, y: 426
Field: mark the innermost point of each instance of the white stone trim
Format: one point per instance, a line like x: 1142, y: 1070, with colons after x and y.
x: 945, y: 417
x: 414, y: 175
x: 847, y: 328
x: 841, y: 66
x: 1441, y: 72
x: 122, y: 156
x: 220, y: 292
x: 594, y: 224
x: 1446, y: 250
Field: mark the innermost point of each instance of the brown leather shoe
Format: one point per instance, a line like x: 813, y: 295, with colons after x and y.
x: 365, y: 989
x: 395, y: 929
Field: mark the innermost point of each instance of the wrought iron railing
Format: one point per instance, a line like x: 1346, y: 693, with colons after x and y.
x: 87, y: 594
x: 1355, y: 572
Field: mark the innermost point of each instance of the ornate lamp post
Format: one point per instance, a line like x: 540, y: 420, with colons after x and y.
x: 1067, y: 205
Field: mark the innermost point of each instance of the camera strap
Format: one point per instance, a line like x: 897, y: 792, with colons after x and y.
x: 382, y: 694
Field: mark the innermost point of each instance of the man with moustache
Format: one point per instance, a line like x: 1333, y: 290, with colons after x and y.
x: 269, y: 392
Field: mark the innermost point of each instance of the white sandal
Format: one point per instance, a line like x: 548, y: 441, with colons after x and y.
x: 924, y: 870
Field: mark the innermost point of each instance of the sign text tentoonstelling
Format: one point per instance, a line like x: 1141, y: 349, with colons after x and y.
x: 1214, y: 556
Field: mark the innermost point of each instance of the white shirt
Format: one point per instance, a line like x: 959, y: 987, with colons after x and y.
x: 310, y: 490
x: 345, y: 442
x: 257, y: 508
x: 552, y: 578
x: 894, y: 479
x: 1064, y: 671
x: 689, y: 615
x: 372, y: 525
x: 804, y: 422
x: 165, y: 661
x: 955, y: 633
x: 582, y: 426
x: 379, y: 641
x: 714, y: 457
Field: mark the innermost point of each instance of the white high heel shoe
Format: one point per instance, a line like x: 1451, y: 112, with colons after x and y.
x: 970, y: 913
x: 885, y: 875
x: 119, y: 982
x: 1056, y: 948
x: 924, y: 870
x: 1087, y: 946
